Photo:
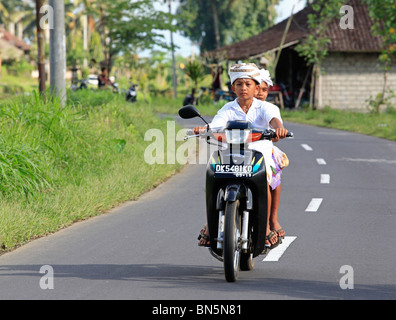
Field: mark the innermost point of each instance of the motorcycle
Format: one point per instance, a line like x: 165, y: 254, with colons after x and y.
x: 115, y: 88
x: 83, y: 85
x: 236, y: 193
x: 131, y: 93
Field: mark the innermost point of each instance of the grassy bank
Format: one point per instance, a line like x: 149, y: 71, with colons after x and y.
x: 381, y: 125
x: 60, y: 164
x: 11, y: 84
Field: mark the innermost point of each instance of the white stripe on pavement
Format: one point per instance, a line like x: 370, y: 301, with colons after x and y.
x: 321, y: 161
x: 314, y: 205
x: 369, y: 160
x: 276, y: 254
x: 324, y: 178
x: 306, y: 147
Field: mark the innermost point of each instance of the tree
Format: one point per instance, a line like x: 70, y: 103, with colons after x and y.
x: 314, y: 47
x: 195, y: 71
x: 18, y: 17
x: 40, y: 45
x: 126, y: 26
x: 216, y: 23
x: 382, y: 13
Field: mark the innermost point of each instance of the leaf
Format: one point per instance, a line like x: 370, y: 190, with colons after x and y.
x: 120, y: 144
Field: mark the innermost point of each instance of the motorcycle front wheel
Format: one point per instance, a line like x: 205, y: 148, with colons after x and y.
x: 232, y: 241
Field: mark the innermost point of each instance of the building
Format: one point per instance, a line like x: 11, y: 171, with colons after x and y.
x: 11, y: 47
x: 350, y: 73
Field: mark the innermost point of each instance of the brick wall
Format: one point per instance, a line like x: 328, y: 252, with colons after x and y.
x: 348, y: 79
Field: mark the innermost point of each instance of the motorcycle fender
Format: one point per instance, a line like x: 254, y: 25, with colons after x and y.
x: 232, y: 193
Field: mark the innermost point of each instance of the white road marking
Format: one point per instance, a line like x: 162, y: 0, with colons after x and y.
x: 276, y: 254
x: 324, y: 178
x: 321, y: 161
x: 306, y: 147
x: 369, y: 160
x: 334, y: 133
x: 314, y: 205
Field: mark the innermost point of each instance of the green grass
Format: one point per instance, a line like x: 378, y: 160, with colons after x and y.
x: 381, y: 125
x: 60, y: 164
x: 172, y: 106
x: 10, y: 85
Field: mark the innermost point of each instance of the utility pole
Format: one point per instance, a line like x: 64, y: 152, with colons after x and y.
x: 173, y: 59
x: 58, y: 51
x: 85, y: 37
x: 40, y: 45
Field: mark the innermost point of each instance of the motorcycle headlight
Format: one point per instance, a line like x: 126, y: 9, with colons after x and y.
x: 237, y: 136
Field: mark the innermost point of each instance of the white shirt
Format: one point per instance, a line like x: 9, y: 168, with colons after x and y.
x: 259, y: 114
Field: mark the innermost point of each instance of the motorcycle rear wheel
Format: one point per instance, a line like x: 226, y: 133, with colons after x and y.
x: 232, y: 241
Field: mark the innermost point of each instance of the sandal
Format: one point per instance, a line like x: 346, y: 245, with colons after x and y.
x: 205, y: 237
x: 277, y: 232
x: 270, y: 236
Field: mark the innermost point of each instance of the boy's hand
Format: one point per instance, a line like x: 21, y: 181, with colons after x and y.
x: 198, y: 130
x: 280, y: 134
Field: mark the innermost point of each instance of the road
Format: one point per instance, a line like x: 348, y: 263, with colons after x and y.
x: 341, y: 245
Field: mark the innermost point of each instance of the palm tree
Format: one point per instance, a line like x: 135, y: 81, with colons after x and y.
x: 195, y: 71
x: 17, y: 13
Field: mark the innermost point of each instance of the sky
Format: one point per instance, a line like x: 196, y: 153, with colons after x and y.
x: 284, y: 9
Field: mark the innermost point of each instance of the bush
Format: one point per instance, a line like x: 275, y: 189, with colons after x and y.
x: 19, y: 170
x: 20, y: 68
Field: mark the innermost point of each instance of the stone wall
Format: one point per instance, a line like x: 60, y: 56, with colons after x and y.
x: 347, y: 80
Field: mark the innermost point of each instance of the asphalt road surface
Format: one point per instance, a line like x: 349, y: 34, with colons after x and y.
x: 338, y: 208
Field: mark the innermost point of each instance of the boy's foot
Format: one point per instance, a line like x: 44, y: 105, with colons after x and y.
x: 272, y: 240
x: 276, y: 227
x: 280, y: 232
x: 204, y: 237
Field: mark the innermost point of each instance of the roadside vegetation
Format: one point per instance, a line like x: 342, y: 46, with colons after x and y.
x: 379, y: 124
x: 61, y: 165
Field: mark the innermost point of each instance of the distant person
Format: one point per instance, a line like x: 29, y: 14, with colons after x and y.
x: 190, y: 98
x: 216, y: 74
x: 103, y: 79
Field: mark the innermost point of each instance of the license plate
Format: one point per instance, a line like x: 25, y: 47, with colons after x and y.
x: 237, y: 169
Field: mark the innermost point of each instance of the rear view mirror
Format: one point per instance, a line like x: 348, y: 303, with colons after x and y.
x: 188, y: 112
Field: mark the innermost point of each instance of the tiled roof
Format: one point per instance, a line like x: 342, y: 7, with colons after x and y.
x: 13, y: 40
x: 353, y: 40
x: 357, y: 39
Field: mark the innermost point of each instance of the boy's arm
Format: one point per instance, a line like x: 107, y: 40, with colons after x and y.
x: 219, y: 121
x: 280, y: 130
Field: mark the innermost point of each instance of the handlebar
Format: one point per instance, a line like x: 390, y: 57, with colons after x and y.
x: 269, y: 134
x: 266, y: 135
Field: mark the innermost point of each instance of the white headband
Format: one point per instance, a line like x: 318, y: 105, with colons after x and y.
x: 244, y: 71
x: 265, y: 76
